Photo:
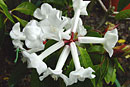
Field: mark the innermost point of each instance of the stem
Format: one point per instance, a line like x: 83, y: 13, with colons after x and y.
x: 90, y: 40
x: 76, y: 18
x: 63, y: 58
x: 51, y: 49
x: 117, y: 83
x: 75, y: 55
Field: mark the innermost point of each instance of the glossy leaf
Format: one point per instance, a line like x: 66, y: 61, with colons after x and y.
x: 26, y: 8
x: 23, y: 22
x: 6, y: 12
x: 3, y: 3
x: 94, y: 34
x: 96, y: 48
x: 85, y: 58
x: 123, y: 14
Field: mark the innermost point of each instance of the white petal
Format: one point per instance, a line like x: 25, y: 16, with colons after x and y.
x: 51, y: 49
x: 18, y: 44
x: 37, y: 14
x: 55, y: 75
x: 34, y: 62
x: 75, y: 55
x: 80, y: 75
x: 15, y: 32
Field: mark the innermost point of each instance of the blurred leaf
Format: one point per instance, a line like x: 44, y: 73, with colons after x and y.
x: 118, y: 64
x: 96, y: 48
x: 122, y: 4
x: 35, y: 82
x: 111, y: 74
x: 19, y: 72
x: 123, y: 14
x: 93, y: 34
x: 23, y: 22
x: 6, y: 12
x: 70, y: 67
x: 26, y: 8
x: 85, y: 58
x: 3, y: 3
x: 2, y: 30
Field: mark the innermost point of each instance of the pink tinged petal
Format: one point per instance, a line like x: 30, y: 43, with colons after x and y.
x: 81, y: 74
x: 51, y: 49
x: 90, y: 40
x: 62, y: 58
x: 75, y: 55
x: 34, y: 62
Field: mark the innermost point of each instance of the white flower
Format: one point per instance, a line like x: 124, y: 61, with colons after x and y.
x: 53, y: 28
x: 80, y: 73
x: 80, y: 5
x: 58, y: 70
x: 35, y: 62
x: 17, y: 36
x: 33, y: 36
x: 45, y: 11
x: 80, y: 28
x: 109, y: 40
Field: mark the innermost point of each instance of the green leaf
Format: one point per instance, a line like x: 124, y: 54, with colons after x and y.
x: 85, y: 58
x: 6, y: 12
x: 118, y: 64
x: 22, y: 22
x: 122, y: 4
x: 19, y: 72
x: 111, y: 74
x: 96, y: 48
x: 3, y: 3
x: 35, y: 82
x: 26, y: 8
x: 123, y: 14
x: 93, y: 34
x: 70, y: 67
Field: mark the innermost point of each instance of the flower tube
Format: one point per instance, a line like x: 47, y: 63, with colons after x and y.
x: 109, y: 41
x: 58, y: 70
x: 80, y: 73
x: 51, y: 49
x: 34, y: 62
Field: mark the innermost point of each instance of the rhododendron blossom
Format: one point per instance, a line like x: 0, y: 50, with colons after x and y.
x: 68, y: 32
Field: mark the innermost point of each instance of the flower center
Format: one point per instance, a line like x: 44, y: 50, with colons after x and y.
x: 72, y: 39
x: 53, y: 29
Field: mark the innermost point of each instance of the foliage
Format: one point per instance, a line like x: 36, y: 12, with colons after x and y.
x: 90, y: 55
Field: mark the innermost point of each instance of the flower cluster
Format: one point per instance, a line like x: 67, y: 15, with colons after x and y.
x: 66, y: 31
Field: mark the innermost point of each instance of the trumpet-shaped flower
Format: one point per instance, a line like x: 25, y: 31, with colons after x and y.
x: 80, y: 73
x: 109, y: 40
x: 33, y: 36
x: 52, y: 28
x: 45, y: 11
x: 35, y: 62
